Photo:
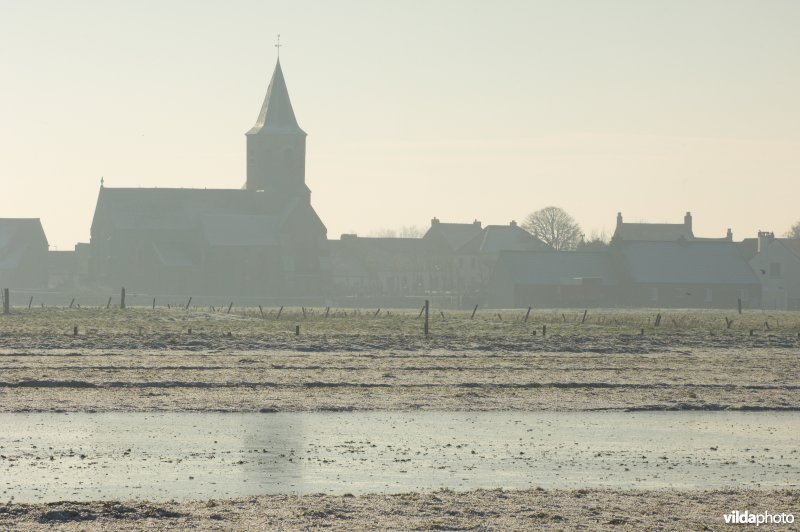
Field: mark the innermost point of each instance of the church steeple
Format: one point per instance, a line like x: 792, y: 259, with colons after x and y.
x: 276, y: 112
x: 276, y: 146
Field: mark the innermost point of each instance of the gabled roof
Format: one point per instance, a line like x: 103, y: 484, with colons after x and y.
x: 496, y: 238
x: 792, y: 244
x: 452, y: 235
x: 701, y: 262
x: 276, y: 113
x: 557, y: 268
x: 17, y: 237
x: 21, y: 232
x: 230, y: 217
x: 653, y: 232
x: 177, y: 208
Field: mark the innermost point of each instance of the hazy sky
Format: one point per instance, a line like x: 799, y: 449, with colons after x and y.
x: 454, y: 109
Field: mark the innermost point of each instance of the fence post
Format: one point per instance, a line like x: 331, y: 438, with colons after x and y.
x: 427, y: 309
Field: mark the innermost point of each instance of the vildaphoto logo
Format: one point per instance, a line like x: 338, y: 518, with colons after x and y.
x: 765, y: 518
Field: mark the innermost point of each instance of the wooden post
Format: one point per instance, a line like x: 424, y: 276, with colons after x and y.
x: 122, y: 298
x: 261, y: 310
x: 586, y: 311
x: 6, y: 301
x: 30, y: 303
x: 473, y: 312
x: 188, y: 302
x: 230, y: 307
x: 527, y: 314
x: 427, y: 309
x: 279, y: 312
x: 108, y: 305
x: 740, y: 305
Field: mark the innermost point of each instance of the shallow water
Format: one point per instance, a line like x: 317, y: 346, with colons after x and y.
x: 163, y: 456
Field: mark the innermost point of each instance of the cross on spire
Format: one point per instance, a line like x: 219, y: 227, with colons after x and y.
x: 278, y: 46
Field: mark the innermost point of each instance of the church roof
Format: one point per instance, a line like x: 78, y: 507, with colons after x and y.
x: 178, y: 208
x: 276, y: 112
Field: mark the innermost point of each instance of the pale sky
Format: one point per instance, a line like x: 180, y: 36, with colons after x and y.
x: 458, y: 109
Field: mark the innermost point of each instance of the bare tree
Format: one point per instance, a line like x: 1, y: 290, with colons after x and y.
x: 794, y: 232
x: 554, y: 227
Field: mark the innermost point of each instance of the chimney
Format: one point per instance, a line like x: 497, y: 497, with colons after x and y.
x: 729, y: 235
x: 764, y: 238
x: 619, y: 220
x: 687, y: 221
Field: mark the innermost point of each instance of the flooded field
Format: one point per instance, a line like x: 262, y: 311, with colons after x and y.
x: 595, y: 421
x: 165, y: 456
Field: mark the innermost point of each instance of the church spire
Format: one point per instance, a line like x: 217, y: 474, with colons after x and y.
x: 276, y: 112
x: 276, y: 146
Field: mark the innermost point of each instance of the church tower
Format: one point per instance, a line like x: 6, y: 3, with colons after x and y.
x: 276, y: 146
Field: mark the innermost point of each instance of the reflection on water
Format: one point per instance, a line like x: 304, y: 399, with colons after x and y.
x: 161, y: 456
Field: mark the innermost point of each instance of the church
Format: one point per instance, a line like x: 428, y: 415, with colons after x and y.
x: 264, y: 239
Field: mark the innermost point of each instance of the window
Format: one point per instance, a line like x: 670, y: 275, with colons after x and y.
x: 775, y: 270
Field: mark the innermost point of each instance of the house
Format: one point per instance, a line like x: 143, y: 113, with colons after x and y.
x: 262, y: 240
x: 23, y: 253
x: 659, y: 232
x: 776, y: 263
x: 553, y: 279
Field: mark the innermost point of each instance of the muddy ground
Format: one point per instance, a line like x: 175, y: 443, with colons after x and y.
x: 442, y: 510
